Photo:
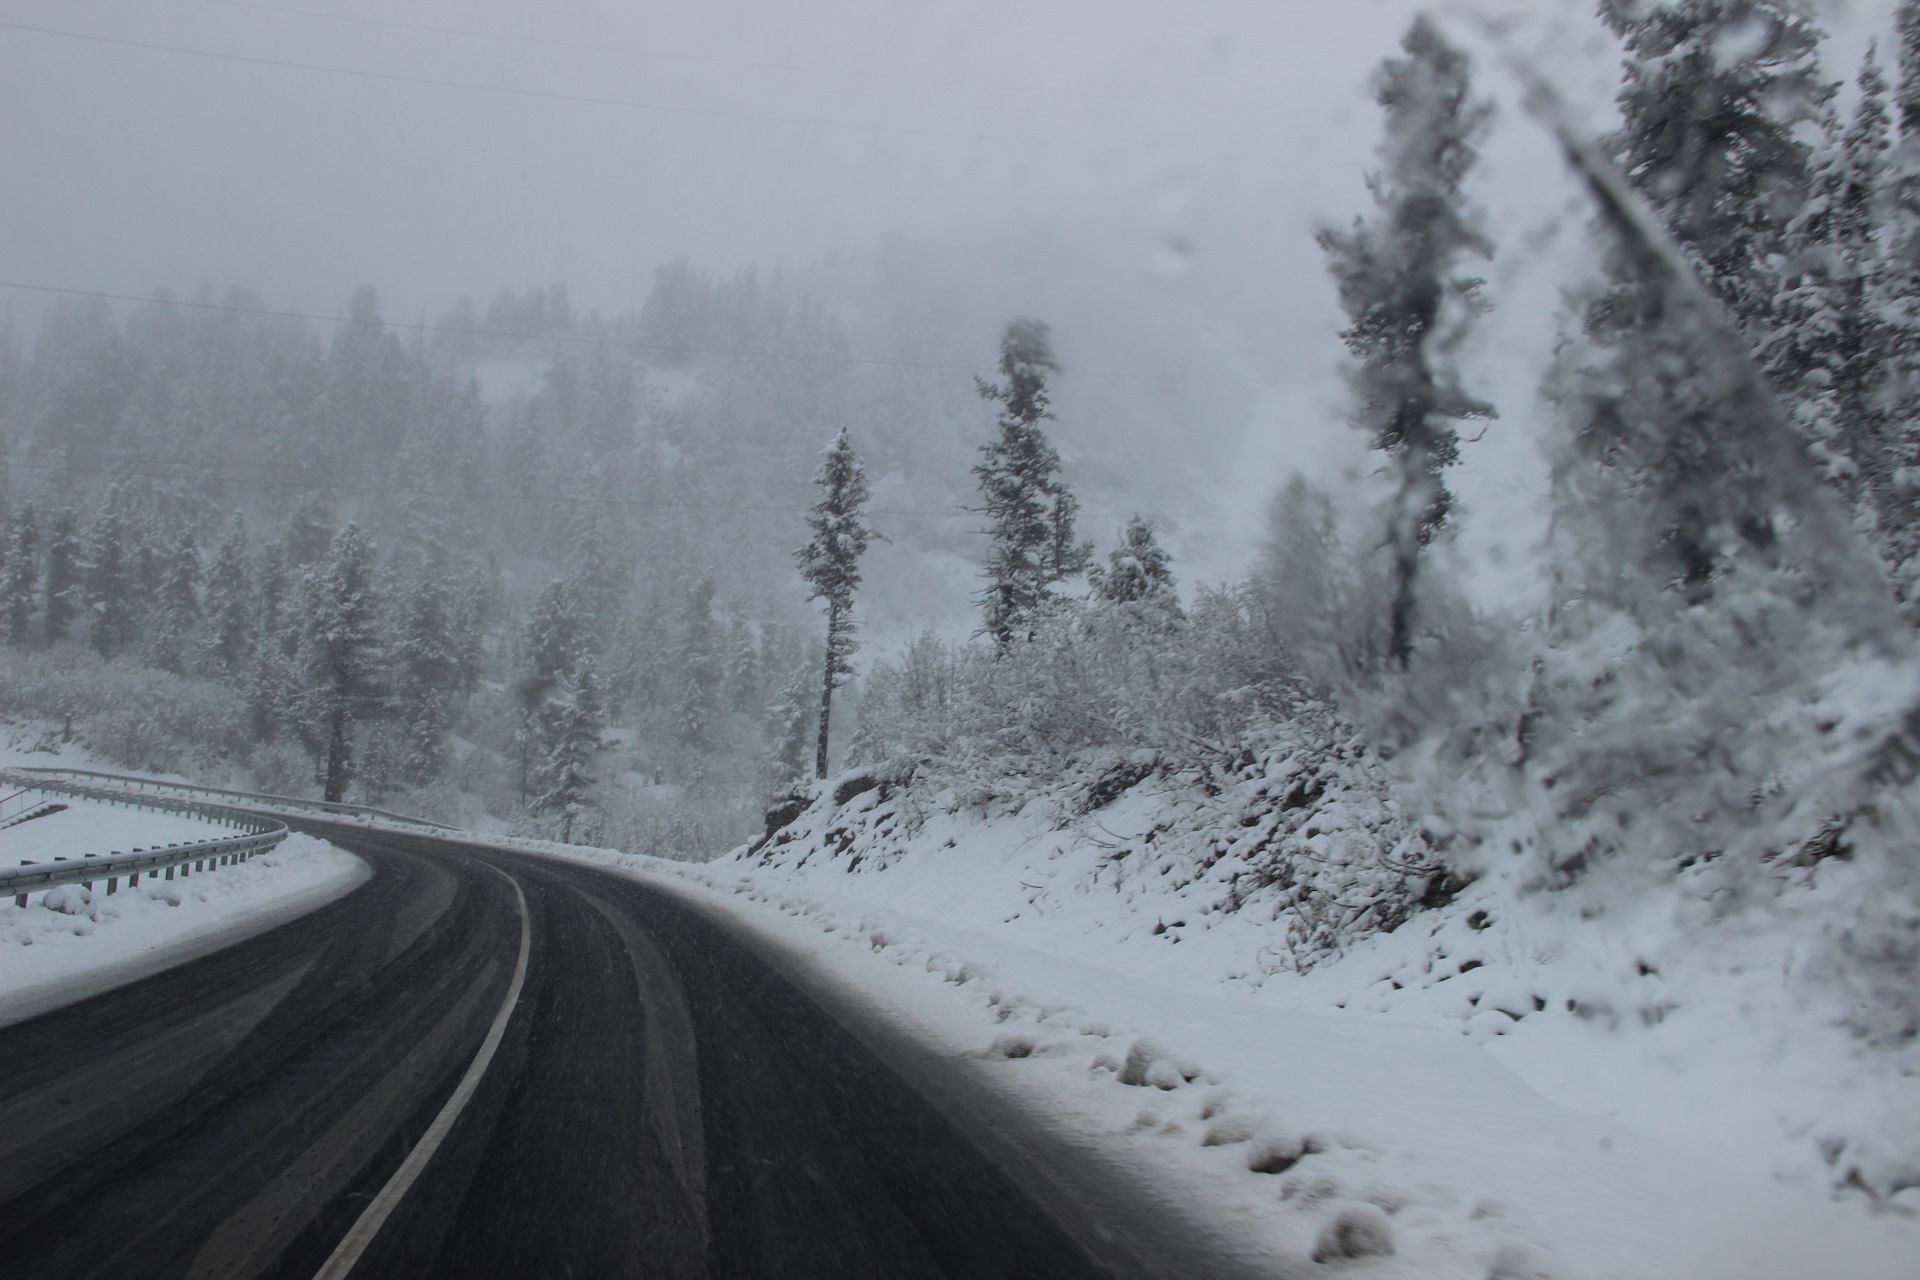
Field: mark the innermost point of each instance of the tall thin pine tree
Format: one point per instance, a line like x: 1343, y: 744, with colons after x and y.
x: 1397, y: 278
x: 830, y: 564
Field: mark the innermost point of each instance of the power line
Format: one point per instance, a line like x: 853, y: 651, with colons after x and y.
x: 625, y: 345
x: 588, y: 46
x: 363, y: 491
x: 545, y: 95
x: 463, y: 331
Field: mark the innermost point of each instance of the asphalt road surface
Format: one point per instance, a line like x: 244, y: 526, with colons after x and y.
x: 485, y: 1064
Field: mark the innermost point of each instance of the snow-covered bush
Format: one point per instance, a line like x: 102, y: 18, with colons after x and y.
x: 128, y: 714
x: 1094, y: 675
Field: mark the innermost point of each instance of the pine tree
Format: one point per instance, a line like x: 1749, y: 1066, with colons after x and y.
x: 63, y: 593
x: 1896, y: 481
x: 1137, y: 571
x: 1714, y: 95
x: 1029, y: 509
x: 229, y: 605
x: 20, y: 575
x: 576, y: 737
x: 472, y: 604
x: 742, y: 680
x: 1396, y: 274
x: 109, y: 586
x: 1834, y: 341
x: 698, y: 706
x: 830, y: 566
x: 425, y: 678
x: 177, y: 607
x: 309, y: 531
x: 340, y: 657
x: 270, y: 678
x: 147, y: 562
x: 792, y: 726
x: 1907, y: 95
x: 558, y: 632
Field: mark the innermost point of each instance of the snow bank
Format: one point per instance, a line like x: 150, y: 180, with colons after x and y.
x: 1391, y: 1148
x: 68, y: 944
x: 85, y: 827
x: 1255, y: 967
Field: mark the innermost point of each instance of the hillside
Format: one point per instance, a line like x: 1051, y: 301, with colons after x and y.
x: 1294, y: 880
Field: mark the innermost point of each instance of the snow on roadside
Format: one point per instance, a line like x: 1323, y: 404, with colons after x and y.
x: 1393, y: 1150
x: 88, y: 942
x: 85, y: 827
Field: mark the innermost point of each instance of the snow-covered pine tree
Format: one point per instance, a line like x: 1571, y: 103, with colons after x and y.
x: 340, y: 658
x: 557, y: 637
x: 697, y: 708
x: 424, y: 681
x: 579, y: 726
x: 1906, y: 25
x: 1714, y: 96
x: 1030, y: 512
x: 176, y: 611
x: 309, y: 531
x: 742, y: 681
x: 108, y: 585
x: 830, y: 566
x: 1708, y: 598
x: 147, y: 559
x: 791, y: 727
x: 1399, y: 284
x: 229, y: 605
x: 63, y: 591
x: 270, y: 680
x: 1898, y: 506
x: 473, y: 603
x: 1138, y: 572
x: 1829, y: 354
x: 20, y: 575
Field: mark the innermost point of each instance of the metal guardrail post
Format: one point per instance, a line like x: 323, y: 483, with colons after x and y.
x: 262, y: 832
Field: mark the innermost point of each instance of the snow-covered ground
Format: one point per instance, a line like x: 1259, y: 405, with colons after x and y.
x: 85, y: 827
x: 68, y: 943
x: 1302, y: 1129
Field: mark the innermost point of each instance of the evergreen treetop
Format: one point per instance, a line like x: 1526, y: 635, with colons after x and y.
x: 1030, y: 512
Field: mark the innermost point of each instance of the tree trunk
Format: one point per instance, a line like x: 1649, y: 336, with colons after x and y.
x: 826, y: 692
x: 338, y: 759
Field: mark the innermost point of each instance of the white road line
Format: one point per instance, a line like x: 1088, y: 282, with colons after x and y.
x: 355, y: 1242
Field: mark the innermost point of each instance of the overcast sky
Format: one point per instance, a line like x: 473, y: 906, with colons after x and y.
x: 1096, y: 163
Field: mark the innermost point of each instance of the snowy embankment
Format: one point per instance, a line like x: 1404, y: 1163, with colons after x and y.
x: 1497, y: 1085
x: 69, y: 943
x: 1388, y: 1148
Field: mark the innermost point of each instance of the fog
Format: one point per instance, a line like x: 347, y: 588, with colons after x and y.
x: 1145, y: 176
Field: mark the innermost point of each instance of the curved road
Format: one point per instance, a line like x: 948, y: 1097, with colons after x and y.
x: 359, y: 1093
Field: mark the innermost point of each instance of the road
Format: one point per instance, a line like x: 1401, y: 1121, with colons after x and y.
x: 358, y: 1092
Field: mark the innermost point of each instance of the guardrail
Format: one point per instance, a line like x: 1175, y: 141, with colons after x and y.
x: 261, y: 834
x: 257, y: 797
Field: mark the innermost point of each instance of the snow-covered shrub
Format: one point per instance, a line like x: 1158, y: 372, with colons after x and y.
x: 1092, y: 675
x: 128, y: 714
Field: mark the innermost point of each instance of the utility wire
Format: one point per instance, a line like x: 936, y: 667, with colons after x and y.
x: 545, y: 95
x: 552, y: 43
x: 464, y: 495
x: 579, y: 339
x: 625, y: 345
